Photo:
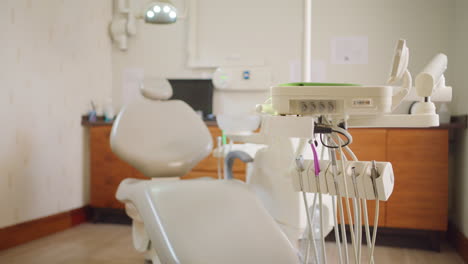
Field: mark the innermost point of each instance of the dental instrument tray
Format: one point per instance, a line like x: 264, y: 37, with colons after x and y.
x: 331, y: 99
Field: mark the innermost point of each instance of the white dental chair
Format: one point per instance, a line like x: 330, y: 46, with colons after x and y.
x: 201, y: 221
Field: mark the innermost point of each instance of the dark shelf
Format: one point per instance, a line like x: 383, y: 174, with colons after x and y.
x: 456, y: 122
x: 100, y: 122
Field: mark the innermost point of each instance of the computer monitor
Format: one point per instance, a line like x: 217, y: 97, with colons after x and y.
x: 198, y: 93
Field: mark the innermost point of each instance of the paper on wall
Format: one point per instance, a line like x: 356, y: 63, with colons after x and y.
x: 350, y: 50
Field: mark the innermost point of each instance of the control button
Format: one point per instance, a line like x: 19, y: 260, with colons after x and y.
x: 321, y: 107
x: 312, y: 107
x: 331, y: 107
x: 304, y: 107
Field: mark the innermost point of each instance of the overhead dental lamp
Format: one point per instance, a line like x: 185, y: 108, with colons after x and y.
x: 123, y: 24
x: 160, y: 12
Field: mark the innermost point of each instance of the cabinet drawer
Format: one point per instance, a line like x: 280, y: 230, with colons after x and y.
x: 420, y: 164
x: 369, y: 144
x: 107, y: 170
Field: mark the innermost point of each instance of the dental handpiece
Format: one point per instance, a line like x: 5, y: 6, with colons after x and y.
x: 334, y: 166
x: 353, y: 172
x: 316, y: 160
x: 353, y: 178
x: 374, y: 176
x: 300, y: 163
x: 300, y: 168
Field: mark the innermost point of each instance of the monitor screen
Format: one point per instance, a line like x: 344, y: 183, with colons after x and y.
x: 198, y: 93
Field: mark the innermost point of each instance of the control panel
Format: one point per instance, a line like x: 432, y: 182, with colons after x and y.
x: 314, y: 107
x: 331, y: 100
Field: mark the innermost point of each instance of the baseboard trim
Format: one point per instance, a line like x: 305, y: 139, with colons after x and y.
x: 110, y: 216
x: 458, y: 241
x: 402, y: 238
x: 28, y: 231
x: 25, y: 232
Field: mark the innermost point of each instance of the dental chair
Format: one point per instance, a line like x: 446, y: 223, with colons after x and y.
x: 201, y: 221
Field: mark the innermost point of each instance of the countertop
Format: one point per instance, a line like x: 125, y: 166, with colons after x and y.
x: 456, y: 123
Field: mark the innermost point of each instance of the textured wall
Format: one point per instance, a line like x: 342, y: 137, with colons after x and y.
x: 161, y: 50
x: 425, y: 24
x: 55, y: 56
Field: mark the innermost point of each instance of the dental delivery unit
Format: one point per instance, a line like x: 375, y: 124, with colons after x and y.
x: 303, y: 178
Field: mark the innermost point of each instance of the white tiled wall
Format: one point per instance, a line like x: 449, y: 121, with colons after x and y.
x: 55, y: 56
x: 276, y: 38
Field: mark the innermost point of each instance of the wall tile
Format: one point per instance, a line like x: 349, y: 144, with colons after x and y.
x: 12, y: 16
x: 57, y: 59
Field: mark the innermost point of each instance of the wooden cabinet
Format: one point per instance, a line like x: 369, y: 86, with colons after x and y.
x: 107, y: 170
x: 419, y: 158
x: 420, y: 163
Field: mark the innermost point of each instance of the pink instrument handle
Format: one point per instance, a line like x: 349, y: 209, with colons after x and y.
x: 316, y: 161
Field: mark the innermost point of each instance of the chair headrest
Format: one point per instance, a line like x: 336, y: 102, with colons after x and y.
x: 156, y: 89
x: 160, y: 138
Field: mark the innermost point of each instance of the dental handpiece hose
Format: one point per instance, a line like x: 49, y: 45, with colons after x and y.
x: 359, y: 212
x: 374, y: 176
x: 300, y: 168
x: 317, y: 174
x: 348, y: 207
x: 340, y: 207
x: 364, y: 209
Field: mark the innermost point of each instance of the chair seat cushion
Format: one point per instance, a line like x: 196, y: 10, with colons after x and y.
x: 207, y: 221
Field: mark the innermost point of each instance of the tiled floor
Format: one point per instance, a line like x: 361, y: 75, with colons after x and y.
x: 112, y: 244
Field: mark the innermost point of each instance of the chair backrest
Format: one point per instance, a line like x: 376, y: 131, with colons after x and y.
x: 160, y: 138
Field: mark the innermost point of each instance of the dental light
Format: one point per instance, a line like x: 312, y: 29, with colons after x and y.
x: 123, y: 24
x: 160, y: 12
